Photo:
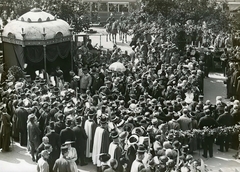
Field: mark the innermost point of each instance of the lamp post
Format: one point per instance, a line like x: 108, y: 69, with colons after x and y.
x: 23, y: 43
x: 1, y: 32
x: 1, y: 65
x: 44, y: 50
x: 71, y: 31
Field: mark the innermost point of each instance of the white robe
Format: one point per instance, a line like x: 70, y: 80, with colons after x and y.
x: 97, y: 146
x: 88, y: 129
x: 111, y: 150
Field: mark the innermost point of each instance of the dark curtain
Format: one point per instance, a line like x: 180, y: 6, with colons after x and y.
x: 10, y: 56
x: 57, y: 55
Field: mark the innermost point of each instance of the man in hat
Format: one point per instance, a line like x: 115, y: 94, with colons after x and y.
x: 54, y: 140
x: 104, y: 158
x: 137, y: 164
x: 62, y: 164
x: 90, y: 128
x: 225, y: 120
x: 67, y: 134
x: 60, y: 124
x: 114, y: 148
x: 41, y: 147
x: 33, y: 135
x: 113, y: 166
x: 101, y: 141
x: 207, y: 121
x: 184, y: 121
x: 22, y: 115
x: 42, y: 164
x: 85, y: 81
x: 97, y: 81
x: 81, y: 138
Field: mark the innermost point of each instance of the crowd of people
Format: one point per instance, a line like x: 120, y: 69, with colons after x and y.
x: 147, y: 115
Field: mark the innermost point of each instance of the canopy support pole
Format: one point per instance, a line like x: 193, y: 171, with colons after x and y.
x: 44, y: 51
x: 45, y: 57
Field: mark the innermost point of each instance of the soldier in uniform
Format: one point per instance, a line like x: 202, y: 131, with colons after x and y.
x: 111, y: 19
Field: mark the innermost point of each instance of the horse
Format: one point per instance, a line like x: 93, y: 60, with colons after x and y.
x: 123, y: 31
x: 112, y: 30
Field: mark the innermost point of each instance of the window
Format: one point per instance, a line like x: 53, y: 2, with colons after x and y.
x: 113, y: 7
x: 94, y: 6
x: 123, y: 7
x: 103, y: 7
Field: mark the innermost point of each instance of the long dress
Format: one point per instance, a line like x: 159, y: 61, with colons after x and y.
x: 72, y: 157
x: 5, y: 132
x: 90, y: 128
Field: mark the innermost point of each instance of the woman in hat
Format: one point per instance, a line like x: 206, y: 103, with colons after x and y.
x: 5, y: 130
x: 34, y: 134
x: 72, y: 156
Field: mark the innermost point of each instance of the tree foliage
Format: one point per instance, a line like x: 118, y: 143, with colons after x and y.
x: 216, y: 15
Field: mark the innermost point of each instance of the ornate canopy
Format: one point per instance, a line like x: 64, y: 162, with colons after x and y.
x: 36, y: 27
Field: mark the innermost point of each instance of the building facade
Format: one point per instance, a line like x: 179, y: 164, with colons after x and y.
x: 102, y: 9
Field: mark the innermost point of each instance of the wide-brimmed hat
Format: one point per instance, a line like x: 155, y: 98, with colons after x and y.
x: 133, y: 139
x: 121, y: 123
x: 67, y: 143
x: 138, y: 131
x: 64, y: 148
x: 104, y: 157
x: 128, y: 127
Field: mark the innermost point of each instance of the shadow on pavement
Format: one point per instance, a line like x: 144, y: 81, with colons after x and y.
x: 16, y: 155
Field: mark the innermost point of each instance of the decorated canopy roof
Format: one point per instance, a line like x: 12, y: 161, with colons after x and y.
x: 36, y: 27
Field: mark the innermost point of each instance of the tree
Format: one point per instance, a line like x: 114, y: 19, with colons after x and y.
x: 215, y: 14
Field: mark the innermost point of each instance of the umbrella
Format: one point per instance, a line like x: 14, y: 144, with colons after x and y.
x: 117, y: 67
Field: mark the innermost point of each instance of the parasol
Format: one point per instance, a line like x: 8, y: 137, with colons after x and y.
x: 117, y: 67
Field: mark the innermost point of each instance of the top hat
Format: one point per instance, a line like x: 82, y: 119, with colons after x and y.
x: 123, y: 135
x: 114, y: 134
x: 91, y: 112
x: 103, y: 120
x: 141, y: 148
x: 78, y: 119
